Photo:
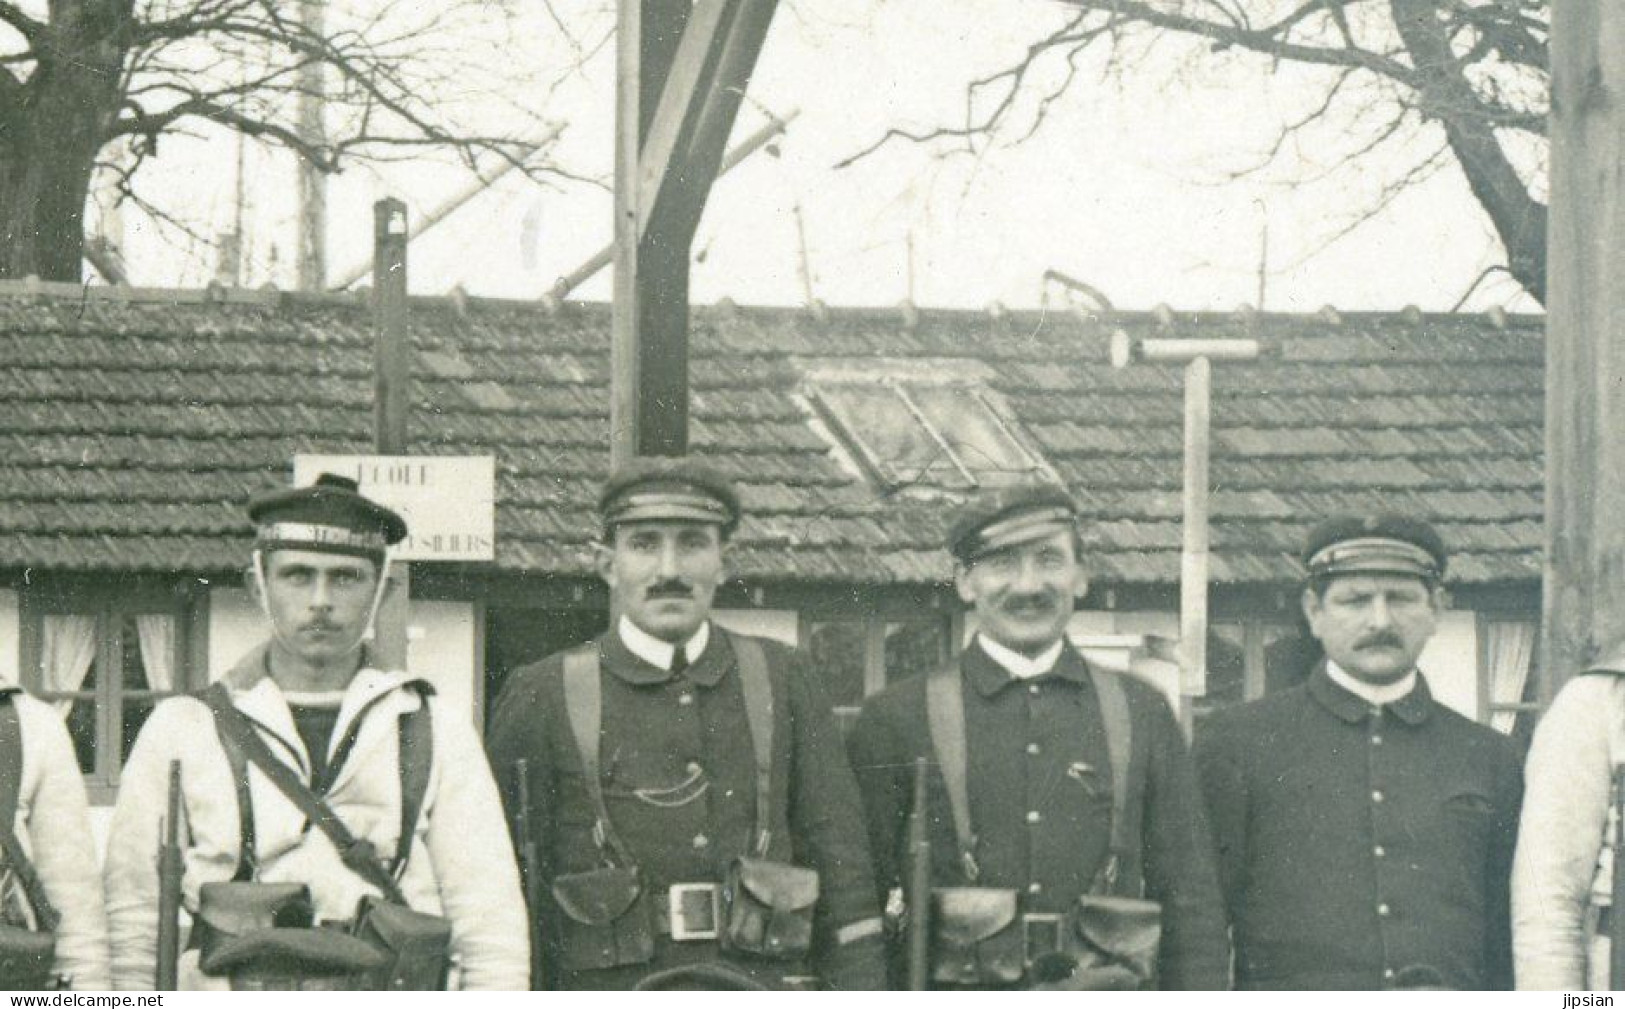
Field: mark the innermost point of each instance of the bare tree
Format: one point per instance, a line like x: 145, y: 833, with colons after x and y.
x: 399, y: 77
x: 1468, y: 74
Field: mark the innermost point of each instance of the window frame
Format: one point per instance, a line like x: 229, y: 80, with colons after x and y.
x: 873, y: 628
x: 1522, y: 711
x: 827, y: 394
x: 109, y: 602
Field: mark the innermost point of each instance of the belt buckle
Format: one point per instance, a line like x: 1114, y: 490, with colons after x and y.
x: 1042, y: 934
x: 696, y: 911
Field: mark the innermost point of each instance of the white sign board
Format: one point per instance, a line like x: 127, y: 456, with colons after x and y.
x: 449, y: 502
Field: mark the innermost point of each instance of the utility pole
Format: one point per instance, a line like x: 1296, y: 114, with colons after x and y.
x: 681, y: 73
x: 313, y: 133
x: 1584, y: 585
x: 392, y: 398
x: 1197, y: 356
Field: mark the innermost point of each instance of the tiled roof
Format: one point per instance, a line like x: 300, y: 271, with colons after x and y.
x: 134, y: 425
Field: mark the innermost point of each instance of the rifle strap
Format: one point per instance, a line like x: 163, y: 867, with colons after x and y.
x: 945, y: 717
x: 758, y: 695
x: 11, y: 782
x: 237, y: 733
x: 584, y: 704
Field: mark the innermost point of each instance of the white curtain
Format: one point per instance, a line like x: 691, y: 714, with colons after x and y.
x: 1510, y: 647
x: 67, y: 650
x: 157, y: 634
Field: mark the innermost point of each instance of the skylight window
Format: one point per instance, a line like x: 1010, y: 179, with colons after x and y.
x: 923, y: 433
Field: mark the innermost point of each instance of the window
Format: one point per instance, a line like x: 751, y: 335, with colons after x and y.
x: 855, y: 658
x: 914, y: 432
x: 1506, y: 649
x: 1251, y: 658
x: 105, y: 661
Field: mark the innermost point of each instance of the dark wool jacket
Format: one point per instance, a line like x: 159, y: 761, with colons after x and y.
x: 1360, y: 847
x: 679, y: 778
x: 1040, y: 795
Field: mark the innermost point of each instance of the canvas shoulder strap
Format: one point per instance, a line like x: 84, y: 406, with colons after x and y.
x: 584, y: 704
x: 1119, y: 726
x: 358, y: 856
x: 757, y: 689
x: 416, y: 729
x: 248, y: 866
x: 11, y: 783
x: 945, y: 718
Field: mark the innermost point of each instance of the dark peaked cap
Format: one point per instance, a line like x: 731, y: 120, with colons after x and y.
x: 1008, y: 516
x: 329, y: 516
x: 662, y: 489
x: 1377, y: 543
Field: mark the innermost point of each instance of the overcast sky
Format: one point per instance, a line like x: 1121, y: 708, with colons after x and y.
x: 1127, y: 186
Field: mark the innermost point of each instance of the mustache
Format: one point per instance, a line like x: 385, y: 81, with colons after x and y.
x: 1031, y: 601
x: 1382, y: 640
x: 671, y: 588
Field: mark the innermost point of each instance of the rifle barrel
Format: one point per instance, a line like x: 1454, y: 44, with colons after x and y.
x: 170, y: 870
x: 918, y: 897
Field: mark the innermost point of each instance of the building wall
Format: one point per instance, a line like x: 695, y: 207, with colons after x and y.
x: 779, y: 625
x: 10, y: 637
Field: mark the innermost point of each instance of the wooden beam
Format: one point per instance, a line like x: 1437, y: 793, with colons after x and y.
x: 680, y: 75
x: 392, y: 402
x: 1584, y: 590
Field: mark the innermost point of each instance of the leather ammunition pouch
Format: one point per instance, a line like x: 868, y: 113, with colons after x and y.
x: 604, y: 919
x: 26, y: 959
x: 228, y: 910
x: 416, y: 947
x: 1113, y: 943
x: 977, y: 936
x: 769, y: 908
x: 262, y: 937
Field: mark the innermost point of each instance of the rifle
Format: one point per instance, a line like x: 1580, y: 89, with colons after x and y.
x: 918, y: 895
x: 529, y: 869
x: 1616, y: 953
x: 171, y: 868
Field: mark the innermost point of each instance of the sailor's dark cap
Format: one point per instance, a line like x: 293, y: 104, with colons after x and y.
x: 329, y: 516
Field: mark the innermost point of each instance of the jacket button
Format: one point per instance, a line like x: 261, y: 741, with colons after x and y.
x: 1033, y: 816
x: 1379, y: 851
x: 685, y: 699
x: 701, y: 841
x: 1033, y: 749
x: 1035, y: 888
x: 1376, y: 795
x: 1382, y: 910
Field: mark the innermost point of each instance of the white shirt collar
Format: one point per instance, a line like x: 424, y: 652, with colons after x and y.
x: 1375, y: 694
x: 1017, y: 664
x: 660, y: 653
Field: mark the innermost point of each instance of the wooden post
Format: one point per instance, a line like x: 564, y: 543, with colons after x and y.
x: 1584, y: 584
x: 312, y: 181
x: 1198, y: 357
x: 681, y: 73
x: 1193, y: 555
x: 392, y: 400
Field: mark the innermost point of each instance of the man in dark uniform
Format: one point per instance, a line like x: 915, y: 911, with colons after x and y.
x: 1038, y: 764
x: 628, y: 883
x: 1365, y: 830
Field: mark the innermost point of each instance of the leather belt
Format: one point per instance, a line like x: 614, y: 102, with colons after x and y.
x: 689, y: 912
